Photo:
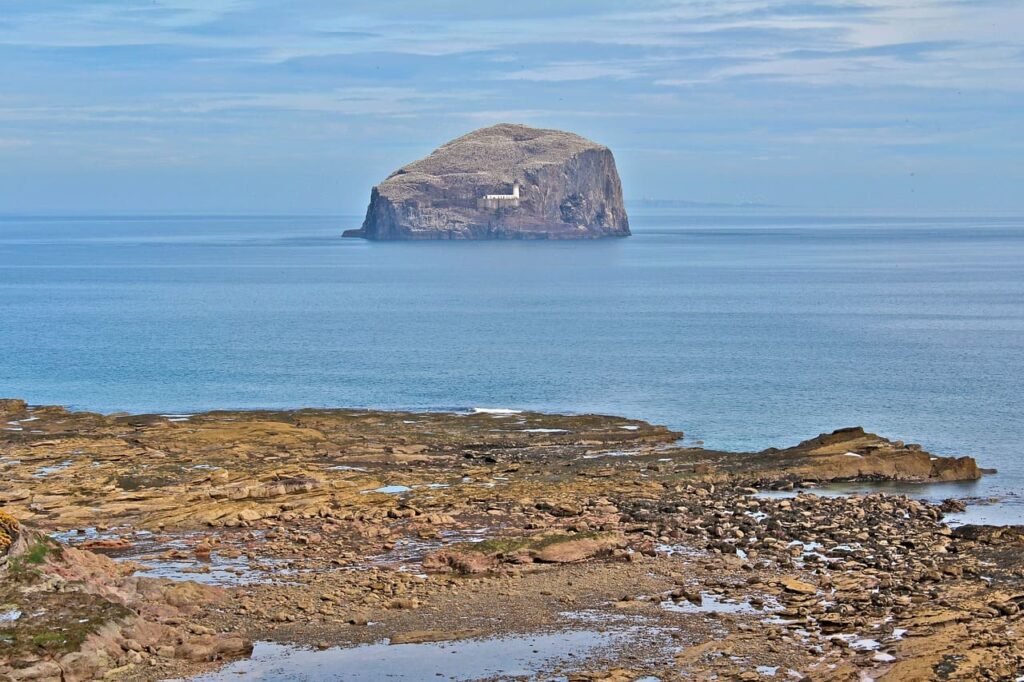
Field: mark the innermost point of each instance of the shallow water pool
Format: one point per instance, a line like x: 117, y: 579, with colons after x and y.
x: 460, y: 660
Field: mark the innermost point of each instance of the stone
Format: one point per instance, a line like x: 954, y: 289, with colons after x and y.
x: 577, y: 550
x: 424, y: 636
x: 212, y: 648
x: 503, y: 182
x: 795, y: 586
x: 951, y: 505
x: 44, y: 670
x: 461, y: 562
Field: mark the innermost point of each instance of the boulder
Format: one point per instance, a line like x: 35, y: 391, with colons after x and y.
x: 551, y: 548
x: 795, y: 586
x: 213, y: 648
x: 502, y: 182
x: 574, y: 550
x: 426, y: 636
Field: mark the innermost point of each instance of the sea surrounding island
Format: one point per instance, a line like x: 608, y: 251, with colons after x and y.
x: 731, y: 446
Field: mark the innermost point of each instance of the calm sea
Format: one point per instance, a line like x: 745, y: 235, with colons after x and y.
x: 743, y: 331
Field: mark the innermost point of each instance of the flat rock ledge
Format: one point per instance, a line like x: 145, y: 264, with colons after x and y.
x: 503, y: 182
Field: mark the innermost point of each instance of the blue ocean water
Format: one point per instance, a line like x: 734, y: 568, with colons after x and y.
x: 743, y: 331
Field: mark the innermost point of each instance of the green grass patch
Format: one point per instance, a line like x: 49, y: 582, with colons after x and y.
x: 55, y: 623
x: 49, y: 640
x: 26, y: 567
x: 37, y: 553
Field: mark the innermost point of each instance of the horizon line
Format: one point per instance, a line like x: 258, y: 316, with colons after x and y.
x: 776, y: 211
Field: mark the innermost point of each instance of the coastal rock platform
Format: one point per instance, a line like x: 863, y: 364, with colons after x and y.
x: 146, y: 547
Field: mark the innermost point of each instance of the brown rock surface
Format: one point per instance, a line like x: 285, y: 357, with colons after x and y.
x: 545, y: 548
x: 312, y: 525
x: 798, y: 586
x: 849, y: 454
x: 80, y: 615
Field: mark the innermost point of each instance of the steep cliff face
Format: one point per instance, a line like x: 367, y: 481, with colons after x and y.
x: 568, y: 188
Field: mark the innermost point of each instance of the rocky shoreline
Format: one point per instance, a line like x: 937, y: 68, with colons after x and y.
x: 145, y: 547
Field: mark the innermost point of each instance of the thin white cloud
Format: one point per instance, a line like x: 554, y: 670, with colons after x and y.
x: 571, y: 71
x: 963, y: 68
x: 222, y: 82
x: 728, y: 32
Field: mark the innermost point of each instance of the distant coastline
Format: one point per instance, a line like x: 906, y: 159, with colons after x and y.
x: 686, y: 203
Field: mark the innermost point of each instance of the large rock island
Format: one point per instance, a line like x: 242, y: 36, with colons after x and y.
x: 502, y: 182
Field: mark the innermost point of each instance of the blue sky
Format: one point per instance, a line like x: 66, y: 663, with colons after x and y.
x: 254, y: 106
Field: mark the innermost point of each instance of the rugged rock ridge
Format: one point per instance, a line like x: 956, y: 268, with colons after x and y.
x: 850, y: 454
x: 568, y: 188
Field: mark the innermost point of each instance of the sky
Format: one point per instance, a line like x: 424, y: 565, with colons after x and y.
x: 253, y: 106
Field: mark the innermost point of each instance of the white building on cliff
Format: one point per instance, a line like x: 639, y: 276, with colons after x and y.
x: 494, y: 201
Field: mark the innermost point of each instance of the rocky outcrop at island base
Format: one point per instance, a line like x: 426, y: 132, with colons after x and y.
x: 502, y: 182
